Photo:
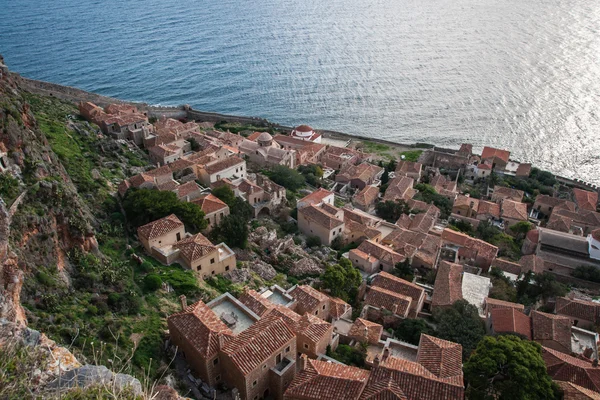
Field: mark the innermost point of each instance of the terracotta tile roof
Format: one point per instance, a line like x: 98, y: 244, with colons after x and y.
x: 524, y: 169
x: 382, y: 253
x: 255, y: 302
x: 466, y: 148
x: 169, y: 185
x: 466, y: 201
x: 572, y: 391
x: 407, y: 167
x: 164, y: 150
x: 254, y: 136
x: 307, y: 298
x: 338, y: 307
x: 187, y: 189
x: 195, y: 247
x: 488, y: 208
x: 514, y: 210
x: 565, y: 368
x: 159, y: 227
x: 586, y: 200
x: 501, y: 192
x: 139, y: 179
x: 327, y: 381
x: 210, y: 203
x: 397, y: 303
x: 448, y: 284
x: 552, y: 327
x: 201, y: 327
x: 422, y: 223
x: 507, y: 266
x: 159, y: 172
x: 354, y: 228
x: 120, y: 108
x: 317, y: 215
x: 180, y: 165
x: 559, y: 223
x: 363, y: 330
x: 554, y: 202
x: 249, y: 349
x: 482, y: 249
x: 443, y: 184
x: 222, y: 165
x: 441, y: 357
x: 364, y: 172
x: 360, y: 217
x: 312, y: 328
x: 495, y: 303
x: 291, y: 318
x: 398, y: 285
x: 400, y: 188
x: 421, y: 205
x: 316, y: 197
x: 367, y: 196
x: 490, y: 152
x: 397, y: 378
x: 362, y: 255
x: 582, y: 217
x: 532, y: 263
x: 511, y: 320
x: 578, y: 309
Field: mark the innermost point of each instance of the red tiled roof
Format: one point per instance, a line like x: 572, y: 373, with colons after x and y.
x: 180, y: 165
x: 405, y: 167
x: 490, y: 152
x: 303, y: 128
x: 448, y: 284
x: 317, y: 215
x: 552, y: 327
x: 380, y: 297
x: 162, y: 171
x: 367, y: 196
x: 559, y: 223
x: 524, y: 169
x: 249, y: 349
x: 255, y: 302
x: 160, y: 227
x: 514, y: 210
x: 586, y: 200
x: 488, y: 208
x: 307, y: 298
x: 511, y: 320
x: 195, y: 247
x: 495, y: 303
x: 338, y: 307
x: 222, y: 165
x: 565, y: 368
x: 327, y: 381
x: 441, y: 357
x: 483, y: 249
x: 578, y: 309
x: 201, y: 327
x: 400, y: 188
x: 554, y: 202
x: 364, y: 330
x: 532, y: 263
x: 210, y: 203
x: 382, y: 253
x: 398, y: 285
x: 312, y: 328
x: 187, y: 188
x: 507, y: 266
x: 572, y: 391
x: 502, y: 192
x: 364, y: 172
x: 316, y: 197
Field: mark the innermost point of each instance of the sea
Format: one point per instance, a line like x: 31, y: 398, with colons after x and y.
x: 514, y: 74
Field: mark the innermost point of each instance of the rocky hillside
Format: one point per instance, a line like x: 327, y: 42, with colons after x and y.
x: 66, y: 268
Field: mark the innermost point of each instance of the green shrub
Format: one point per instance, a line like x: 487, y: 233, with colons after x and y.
x: 152, y: 282
x: 313, y: 241
x: 146, y: 266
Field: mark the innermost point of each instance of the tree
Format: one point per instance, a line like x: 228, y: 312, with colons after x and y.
x: 287, y: 177
x: 152, y: 282
x: 195, y: 146
x: 232, y: 230
x: 409, y: 330
x: 460, y: 324
x: 521, y: 228
x: 508, y: 368
x: 502, y: 287
x: 428, y: 194
x: 391, y: 166
x: 225, y: 194
x: 404, y: 270
x: 462, y: 226
x: 534, y: 287
x: 486, y: 231
x: 587, y: 272
x: 385, y: 177
x: 391, y: 210
x: 146, y: 205
x: 313, y: 241
x: 342, y: 280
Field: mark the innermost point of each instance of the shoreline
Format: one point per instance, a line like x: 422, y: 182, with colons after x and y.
x: 76, y: 95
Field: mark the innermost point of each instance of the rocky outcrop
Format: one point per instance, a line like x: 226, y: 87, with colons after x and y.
x: 262, y: 269
x: 306, y: 266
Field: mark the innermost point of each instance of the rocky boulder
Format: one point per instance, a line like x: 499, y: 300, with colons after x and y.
x: 306, y: 266
x: 238, y: 275
x: 264, y: 270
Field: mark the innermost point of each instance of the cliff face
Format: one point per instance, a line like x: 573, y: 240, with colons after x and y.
x: 57, y: 176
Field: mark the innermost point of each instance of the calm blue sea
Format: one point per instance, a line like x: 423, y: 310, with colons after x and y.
x: 522, y: 75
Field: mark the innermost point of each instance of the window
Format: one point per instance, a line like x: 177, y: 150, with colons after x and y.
x: 212, y: 272
x: 323, y: 306
x: 287, y: 349
x: 212, y: 260
x: 178, y: 236
x: 305, y: 346
x: 254, y: 384
x: 218, y: 378
x: 227, y: 268
x: 317, y: 312
x: 278, y: 359
x: 216, y: 361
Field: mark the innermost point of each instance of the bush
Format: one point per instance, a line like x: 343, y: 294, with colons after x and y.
x: 183, y: 282
x: 587, y: 273
x: 286, y: 177
x: 313, y: 241
x: 152, y: 282
x: 146, y: 266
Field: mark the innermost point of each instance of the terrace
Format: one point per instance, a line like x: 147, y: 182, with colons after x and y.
x: 234, y: 314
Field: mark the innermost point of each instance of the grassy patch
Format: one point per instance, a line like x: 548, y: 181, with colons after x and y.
x: 411, y: 155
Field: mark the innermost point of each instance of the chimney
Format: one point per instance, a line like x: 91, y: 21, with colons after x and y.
x: 221, y: 340
x: 183, y: 301
x: 386, y: 353
x: 376, y: 361
x: 303, y: 360
x: 366, y: 333
x: 595, y: 363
